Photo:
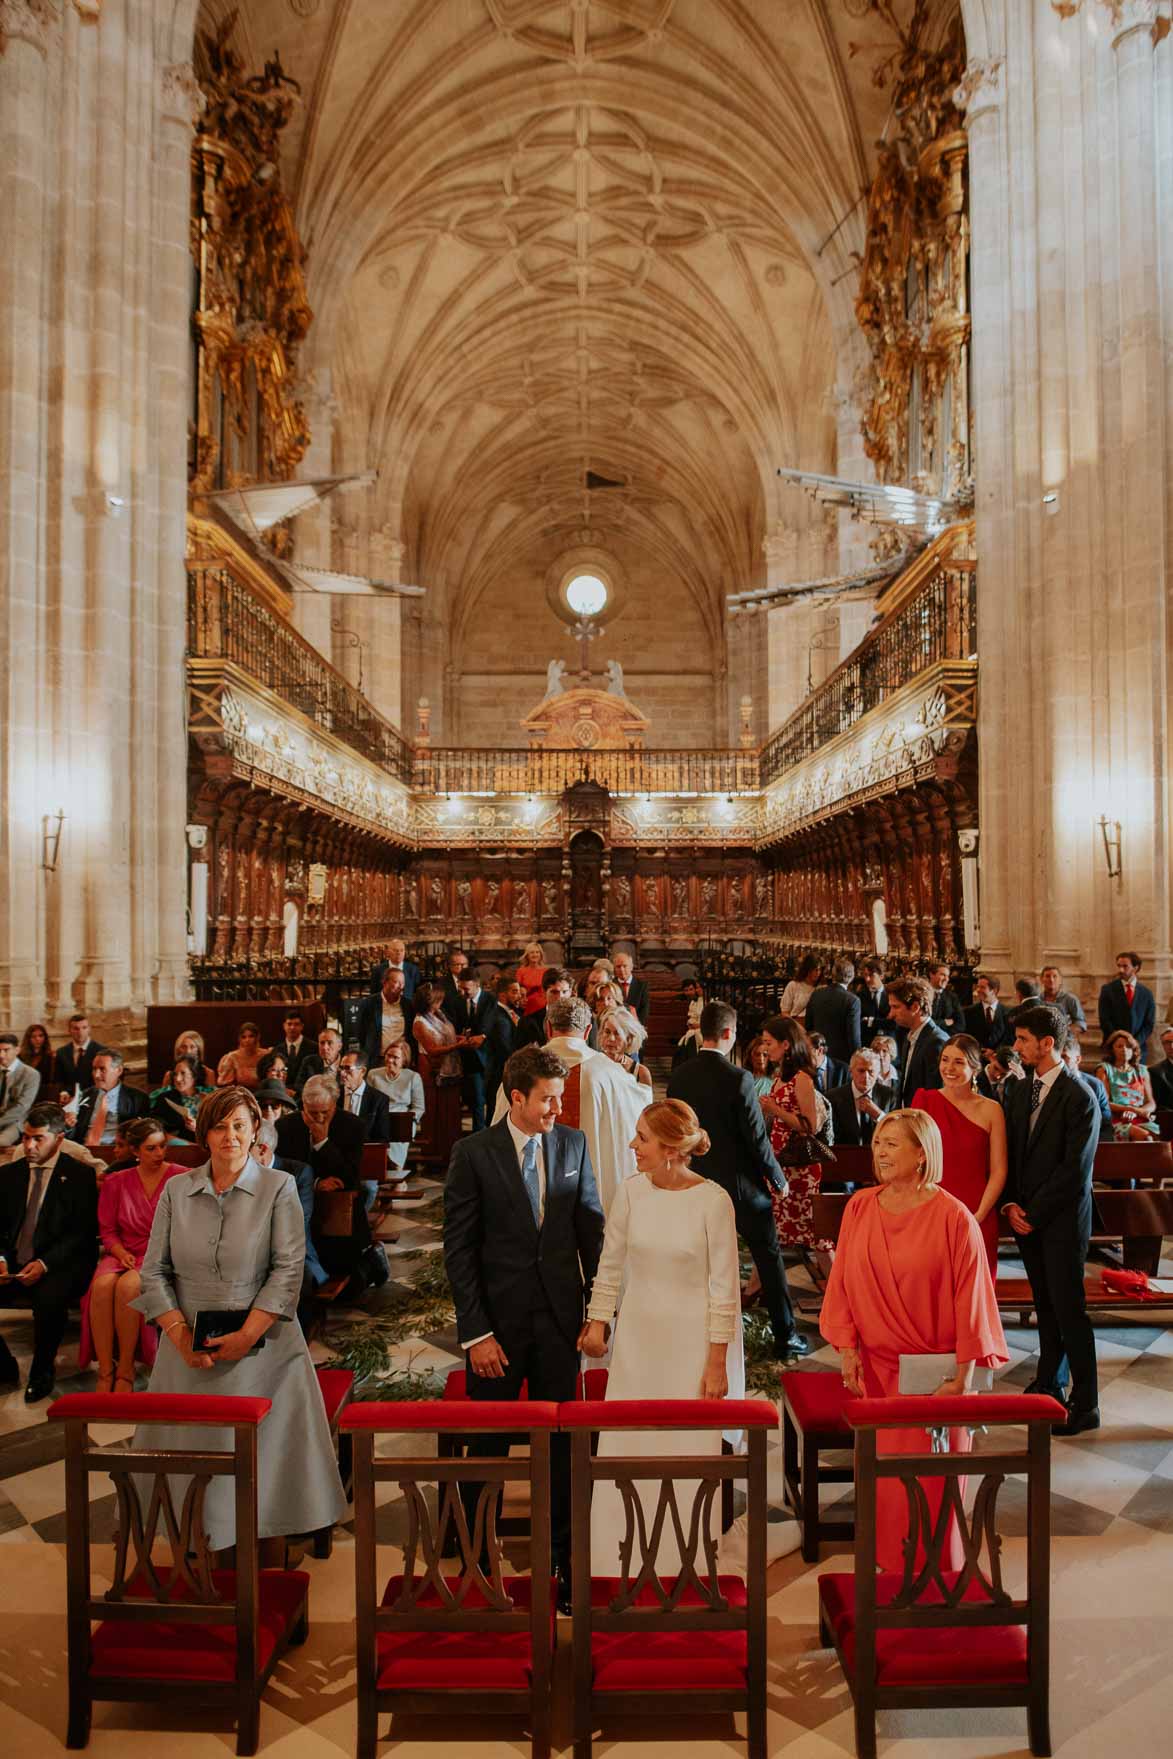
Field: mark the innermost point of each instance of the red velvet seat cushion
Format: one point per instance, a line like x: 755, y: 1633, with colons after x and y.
x: 591, y: 1385
x: 155, y: 1649
x: 158, y: 1408
x: 668, y: 1661
x: 337, y: 1384
x: 817, y: 1400
x: 439, y: 1661
x: 990, y: 1655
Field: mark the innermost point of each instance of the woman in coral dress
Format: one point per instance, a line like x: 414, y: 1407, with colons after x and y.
x: 973, y: 1137
x: 910, y: 1277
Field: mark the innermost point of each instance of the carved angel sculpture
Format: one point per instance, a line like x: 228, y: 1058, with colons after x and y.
x: 615, y: 679
x: 555, y: 672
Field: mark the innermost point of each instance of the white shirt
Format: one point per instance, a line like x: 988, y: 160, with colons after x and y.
x: 354, y: 1100
x: 49, y: 1168
x: 1048, y: 1080
x: 519, y: 1142
x: 393, y: 1027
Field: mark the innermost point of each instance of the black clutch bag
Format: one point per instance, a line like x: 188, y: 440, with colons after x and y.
x: 803, y: 1149
x: 216, y: 1322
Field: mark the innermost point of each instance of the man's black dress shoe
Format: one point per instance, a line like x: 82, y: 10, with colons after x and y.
x: 794, y: 1345
x: 39, y: 1387
x: 1078, y: 1422
x: 564, y: 1589
x: 1050, y: 1392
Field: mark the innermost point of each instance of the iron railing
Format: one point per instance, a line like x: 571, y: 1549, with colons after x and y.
x: 445, y: 770
x: 226, y: 621
x: 938, y: 623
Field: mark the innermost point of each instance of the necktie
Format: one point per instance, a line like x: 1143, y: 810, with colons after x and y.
x: 97, y: 1123
x: 626, y: 987
x: 1129, y: 992
x: 529, y: 1178
x: 28, y: 1227
x: 1036, y: 1100
x: 990, y: 1015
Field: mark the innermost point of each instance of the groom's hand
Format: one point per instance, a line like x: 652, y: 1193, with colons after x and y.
x: 488, y: 1359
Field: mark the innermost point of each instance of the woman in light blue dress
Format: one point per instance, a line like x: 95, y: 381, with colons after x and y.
x: 231, y: 1235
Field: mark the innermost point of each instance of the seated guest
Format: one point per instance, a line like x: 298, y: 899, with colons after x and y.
x: 274, y: 1101
x: 327, y: 1060
x: 828, y: 1071
x: 833, y: 1014
x: 73, y: 1066
x: 48, y: 1242
x: 757, y: 1061
x: 274, y: 1067
x: 873, y: 998
x: 1072, y: 1057
x: 239, y: 1068
x: 947, y: 1009
x: 799, y: 990
x: 191, y: 1044
x: 37, y: 1053
x: 403, y: 1090
x: 397, y: 960
x: 530, y: 975
x: 457, y: 964
x: 910, y: 1277
x: 252, y: 1258
x: 858, y: 1105
x: 440, y: 1071
x: 1051, y: 990
x: 1128, y: 1005
x: 19, y: 1086
x: 384, y: 1018
x: 621, y: 1037
x: 177, y: 1103
x: 1161, y: 1074
x: 1130, y: 1092
x: 369, y: 1106
x: 888, y: 1051
x: 556, y: 987
x: 111, y: 1329
x: 265, y: 1152
x: 633, y: 991
x: 331, y: 1142
x: 987, y: 1020
x: 107, y: 1103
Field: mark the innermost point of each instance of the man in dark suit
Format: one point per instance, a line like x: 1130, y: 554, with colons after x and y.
x: 372, y: 1109
x: 859, y: 1104
x: 295, y: 1047
x: 987, y: 1020
x: 1052, y: 1130
x: 107, y: 1104
x: 910, y: 1005
x: 265, y: 1151
x: 501, y: 1028
x: 873, y: 1000
x: 834, y: 1010
x: 1161, y: 1074
x: 384, y: 1018
x: 470, y: 1014
x: 457, y: 966
x: 523, y: 1230
x: 73, y: 1065
x: 557, y: 986
x: 48, y: 1242
x: 636, y: 995
x: 327, y: 1061
x: 397, y: 960
x: 828, y: 1072
x: 1126, y: 1005
x: 331, y: 1142
x: 740, y: 1159
x: 947, y: 1009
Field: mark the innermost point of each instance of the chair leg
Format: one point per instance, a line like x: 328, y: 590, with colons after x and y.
x: 248, y: 1724
x: 755, y: 1727
x: 368, y: 1727
x: 810, y: 1501
x: 346, y: 1465
x: 81, y: 1708
x: 1038, y: 1722
x: 583, y: 1720
x: 324, y: 1541
x: 540, y: 1733
x: 790, y: 1461
x: 865, y: 1729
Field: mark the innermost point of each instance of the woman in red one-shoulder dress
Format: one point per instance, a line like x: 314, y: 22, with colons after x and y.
x: 973, y: 1137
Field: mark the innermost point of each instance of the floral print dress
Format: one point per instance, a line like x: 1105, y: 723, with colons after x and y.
x: 794, y: 1214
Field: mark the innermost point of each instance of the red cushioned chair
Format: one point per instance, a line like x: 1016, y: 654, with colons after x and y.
x: 460, y: 1639
x: 176, y: 1630
x: 932, y: 1638
x: 696, y: 1644
x: 814, y: 1421
x: 337, y: 1389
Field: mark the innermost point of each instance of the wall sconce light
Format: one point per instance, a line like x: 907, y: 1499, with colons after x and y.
x: 1110, y: 832
x: 51, y: 839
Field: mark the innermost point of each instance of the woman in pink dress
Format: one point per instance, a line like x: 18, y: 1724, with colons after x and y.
x: 790, y: 1107
x: 973, y: 1136
x: 910, y: 1278
x: 126, y: 1208
x: 238, y: 1068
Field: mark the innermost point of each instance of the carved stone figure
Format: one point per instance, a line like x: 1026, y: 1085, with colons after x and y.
x: 622, y: 895
x: 436, y: 895
x: 680, y: 897
x: 492, y: 897
x: 550, y: 897
x: 708, y: 895
x: 760, y: 895
x: 615, y: 679
x: 521, y: 904
x: 464, y: 897
x: 555, y: 673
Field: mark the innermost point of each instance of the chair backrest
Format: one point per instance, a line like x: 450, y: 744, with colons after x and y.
x: 186, y: 1154
x: 929, y: 1595
x: 183, y: 1590
x: 334, y: 1214
x: 1118, y: 1162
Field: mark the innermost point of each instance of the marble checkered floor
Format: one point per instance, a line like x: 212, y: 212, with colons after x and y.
x: 1112, y: 1625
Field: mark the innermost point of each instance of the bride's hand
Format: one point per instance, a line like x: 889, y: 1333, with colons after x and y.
x: 714, y: 1383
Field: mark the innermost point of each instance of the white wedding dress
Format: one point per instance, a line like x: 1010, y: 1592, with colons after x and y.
x: 673, y: 1255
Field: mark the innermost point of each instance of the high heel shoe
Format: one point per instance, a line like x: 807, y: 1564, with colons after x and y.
x: 105, y: 1380
x: 124, y: 1383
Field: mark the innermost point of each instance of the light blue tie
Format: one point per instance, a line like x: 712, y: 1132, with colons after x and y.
x: 529, y: 1178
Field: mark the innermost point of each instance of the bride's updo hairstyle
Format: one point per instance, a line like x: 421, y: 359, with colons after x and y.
x: 676, y: 1125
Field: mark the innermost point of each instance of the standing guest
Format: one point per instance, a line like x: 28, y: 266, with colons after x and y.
x: 191, y: 1044
x: 827, y: 1071
x: 1126, y: 1005
x: 108, y: 1103
x: 1027, y: 991
x: 239, y: 1067
x: 740, y: 1159
x: 294, y: 1046
x: 403, y: 1090
x: 266, y: 1155
x: 501, y: 1027
x: 384, y: 1018
x: 873, y: 998
x: 947, y: 1009
x: 621, y: 1038
x: 1051, y: 990
x: 230, y: 1234
x: 19, y: 1086
x: 987, y: 1020
x: 111, y: 1329
x: 510, y: 996
x: 470, y: 1016
x: 757, y: 1061
x: 48, y: 1242
x: 457, y: 965
x: 440, y: 1070
x: 397, y: 960
x: 834, y: 1011
x: 790, y: 1109
x: 888, y: 1051
x: 369, y: 1106
x: 1161, y: 1074
x: 177, y: 1103
x: 37, y: 1053
x: 858, y: 1105
x: 1052, y: 1129
x: 633, y: 991
x: 973, y: 1137
x: 1073, y: 1060
x: 73, y: 1066
x: 691, y: 1040
x: 910, y: 1003
x: 1001, y: 1066
x: 670, y: 1249
x: 1129, y: 1090
x: 799, y: 990
x: 910, y: 1278
x: 331, y: 1142
x: 327, y: 1060
x: 530, y: 974
x: 602, y: 971
x: 557, y: 986
x: 523, y: 1229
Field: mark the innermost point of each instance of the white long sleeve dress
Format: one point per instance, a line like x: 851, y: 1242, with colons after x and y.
x: 673, y: 1254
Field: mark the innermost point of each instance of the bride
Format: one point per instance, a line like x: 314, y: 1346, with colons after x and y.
x: 671, y: 1247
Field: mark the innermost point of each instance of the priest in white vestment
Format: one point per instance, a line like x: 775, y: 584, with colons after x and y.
x: 600, y: 1099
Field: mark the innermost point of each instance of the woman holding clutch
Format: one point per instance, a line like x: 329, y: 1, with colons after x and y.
x: 229, y: 1239
x: 910, y: 1278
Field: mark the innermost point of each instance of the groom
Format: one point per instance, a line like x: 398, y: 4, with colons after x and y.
x: 523, y: 1230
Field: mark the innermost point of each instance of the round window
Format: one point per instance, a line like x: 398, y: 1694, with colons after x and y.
x: 586, y: 595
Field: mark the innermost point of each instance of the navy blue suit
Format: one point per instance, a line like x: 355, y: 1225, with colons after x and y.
x: 1117, y: 1016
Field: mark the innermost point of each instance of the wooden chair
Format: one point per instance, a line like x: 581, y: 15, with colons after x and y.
x: 814, y: 1421
x: 175, y: 1631
x: 467, y: 1639
x: 642, y: 1644
x: 337, y: 1389
x: 933, y: 1638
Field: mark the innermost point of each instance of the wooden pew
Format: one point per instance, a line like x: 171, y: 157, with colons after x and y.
x: 219, y: 1023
